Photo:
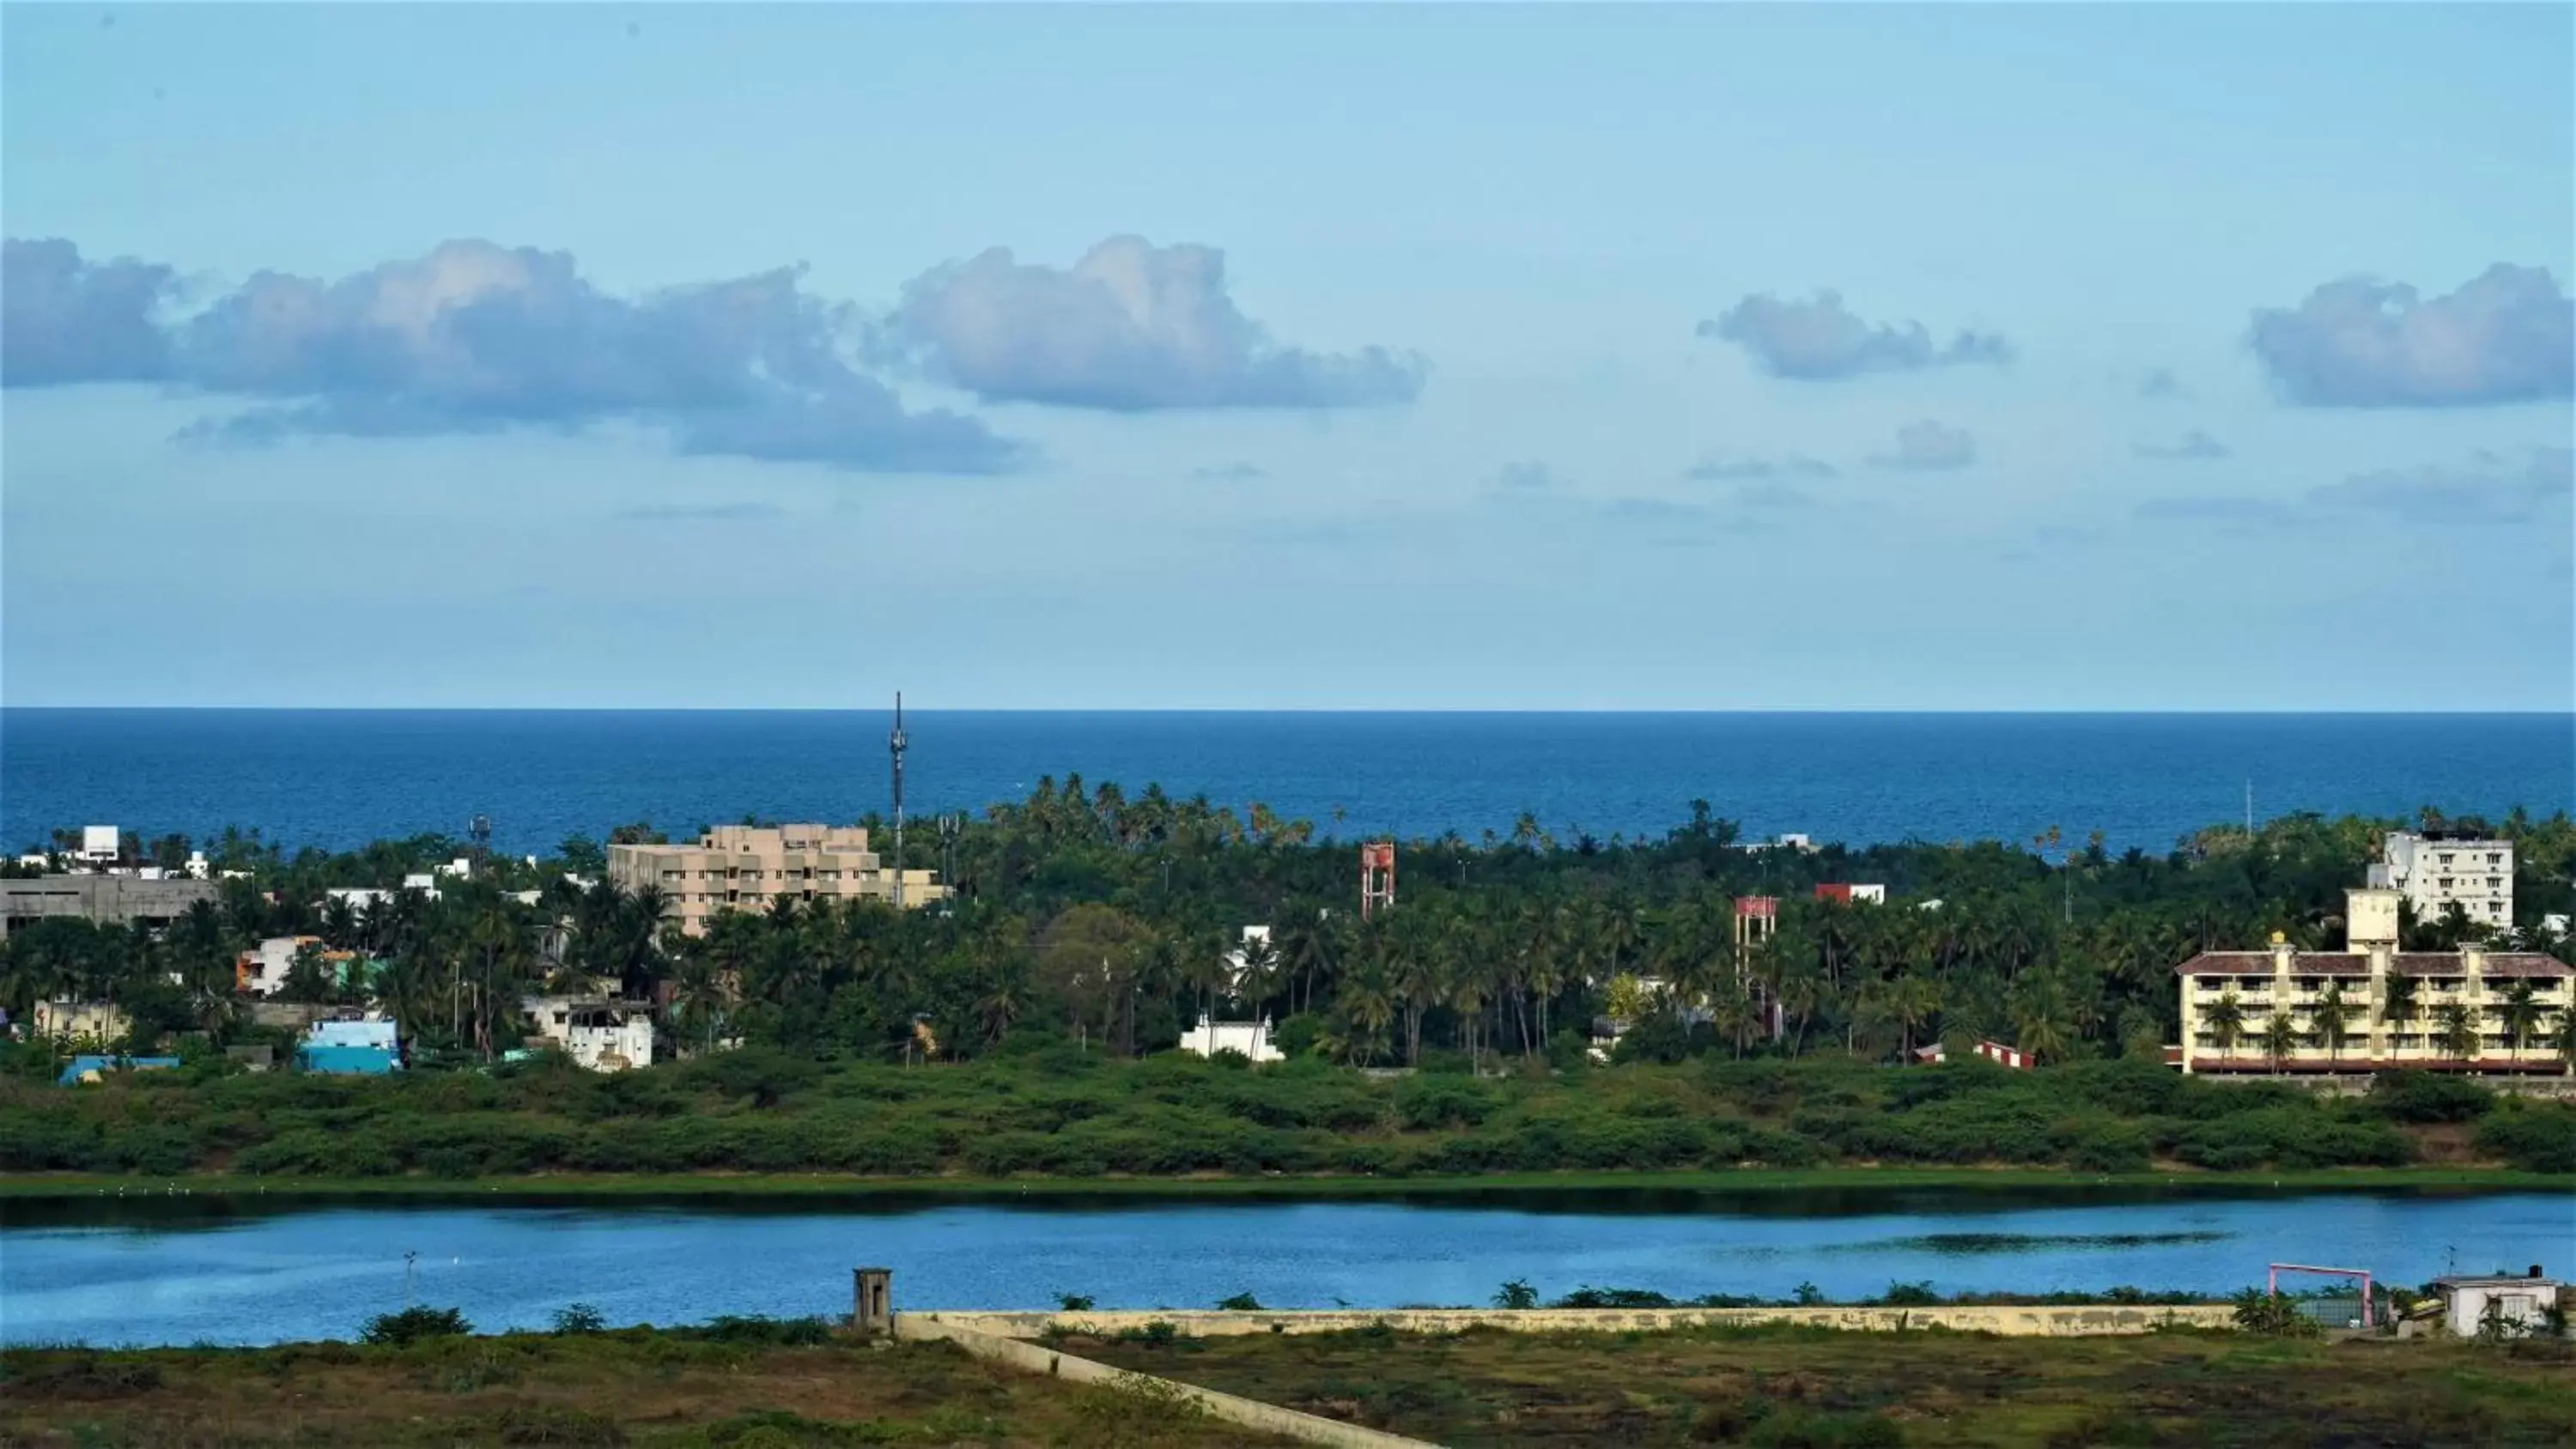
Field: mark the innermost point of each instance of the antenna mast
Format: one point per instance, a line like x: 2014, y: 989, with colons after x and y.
x: 2249, y: 809
x: 894, y: 747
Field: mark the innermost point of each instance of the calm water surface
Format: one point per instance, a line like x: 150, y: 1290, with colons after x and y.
x: 96, y: 1272
x: 340, y: 778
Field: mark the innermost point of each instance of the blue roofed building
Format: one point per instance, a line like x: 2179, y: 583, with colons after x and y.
x: 93, y: 1067
x: 350, y: 1048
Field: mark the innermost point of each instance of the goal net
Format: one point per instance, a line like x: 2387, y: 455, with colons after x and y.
x: 2334, y: 1297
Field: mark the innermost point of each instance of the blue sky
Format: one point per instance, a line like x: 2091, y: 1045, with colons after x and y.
x: 2065, y: 357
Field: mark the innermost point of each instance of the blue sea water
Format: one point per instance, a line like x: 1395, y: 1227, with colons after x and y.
x: 339, y: 778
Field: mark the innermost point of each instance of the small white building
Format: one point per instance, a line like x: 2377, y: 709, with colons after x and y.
x: 100, y: 845
x: 2514, y: 1305
x: 1250, y: 1038
x: 598, y: 1034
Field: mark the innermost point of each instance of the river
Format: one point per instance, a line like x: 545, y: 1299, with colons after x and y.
x: 189, y: 1269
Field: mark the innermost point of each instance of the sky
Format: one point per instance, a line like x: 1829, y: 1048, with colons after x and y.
x: 2061, y: 357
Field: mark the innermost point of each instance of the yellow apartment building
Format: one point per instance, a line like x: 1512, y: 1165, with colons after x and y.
x: 2399, y: 1008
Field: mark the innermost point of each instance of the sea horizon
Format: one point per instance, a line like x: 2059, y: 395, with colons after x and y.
x: 342, y: 777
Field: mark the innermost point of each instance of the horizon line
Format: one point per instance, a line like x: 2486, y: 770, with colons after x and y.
x: 2498, y: 712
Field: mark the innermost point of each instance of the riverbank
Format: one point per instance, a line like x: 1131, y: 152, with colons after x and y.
x: 651, y: 1389
x: 1864, y: 1180
x: 773, y: 1384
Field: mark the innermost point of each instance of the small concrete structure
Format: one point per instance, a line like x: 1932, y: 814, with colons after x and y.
x: 2472, y: 1304
x: 872, y: 1301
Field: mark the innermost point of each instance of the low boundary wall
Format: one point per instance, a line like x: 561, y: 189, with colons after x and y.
x: 2021, y: 1322
x: 1039, y: 1359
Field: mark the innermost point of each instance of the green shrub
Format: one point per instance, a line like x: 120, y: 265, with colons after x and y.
x: 1426, y: 1102
x: 578, y: 1318
x: 413, y: 1325
x: 2533, y: 1136
x: 2429, y: 1097
x: 2274, y: 1315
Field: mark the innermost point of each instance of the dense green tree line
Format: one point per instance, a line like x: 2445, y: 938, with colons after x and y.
x: 1106, y: 919
x: 1051, y: 1108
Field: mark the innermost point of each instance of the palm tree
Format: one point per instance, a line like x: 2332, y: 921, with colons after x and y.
x: 2226, y: 1017
x: 2399, y: 1007
x: 2330, y: 1022
x: 2043, y: 1015
x: 2280, y: 1037
x: 2562, y: 1039
x: 2521, y: 1014
x: 2458, y: 1034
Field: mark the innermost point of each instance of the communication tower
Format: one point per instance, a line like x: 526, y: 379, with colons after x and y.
x: 1377, y: 876
x: 894, y: 747
x: 479, y: 829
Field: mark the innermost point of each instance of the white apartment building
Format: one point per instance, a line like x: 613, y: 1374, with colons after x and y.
x: 2472, y: 987
x: 747, y: 867
x: 599, y: 1035
x: 2435, y: 870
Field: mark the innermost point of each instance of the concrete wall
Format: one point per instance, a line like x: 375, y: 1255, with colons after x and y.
x: 2018, y: 1322
x: 1228, y: 1408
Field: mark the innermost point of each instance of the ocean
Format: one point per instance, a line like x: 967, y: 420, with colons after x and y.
x: 338, y: 778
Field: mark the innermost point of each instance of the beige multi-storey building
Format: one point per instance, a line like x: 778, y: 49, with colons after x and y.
x: 2470, y: 993
x: 2436, y: 871
x: 747, y: 867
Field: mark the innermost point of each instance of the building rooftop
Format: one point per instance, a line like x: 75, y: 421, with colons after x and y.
x: 2404, y: 963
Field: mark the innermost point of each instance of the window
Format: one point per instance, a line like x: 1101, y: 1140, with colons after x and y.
x: 2446, y: 857
x: 2445, y: 882
x: 2495, y: 857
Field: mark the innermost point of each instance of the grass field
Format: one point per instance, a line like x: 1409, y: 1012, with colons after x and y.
x: 1775, y: 1387
x: 1808, y: 1387
x: 591, y: 1391
x: 38, y: 1185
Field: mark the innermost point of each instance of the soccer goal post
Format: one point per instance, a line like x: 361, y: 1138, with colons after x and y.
x: 2335, y: 1296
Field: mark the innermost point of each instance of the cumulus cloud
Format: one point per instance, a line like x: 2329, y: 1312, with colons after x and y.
x: 1735, y: 467
x: 2192, y: 447
x: 1231, y: 473
x: 2160, y: 382
x: 2487, y: 489
x: 475, y: 337
x: 2507, y: 335
x: 1929, y: 447
x: 1525, y: 477
x: 65, y: 319
x: 1130, y: 327
x: 1818, y: 339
